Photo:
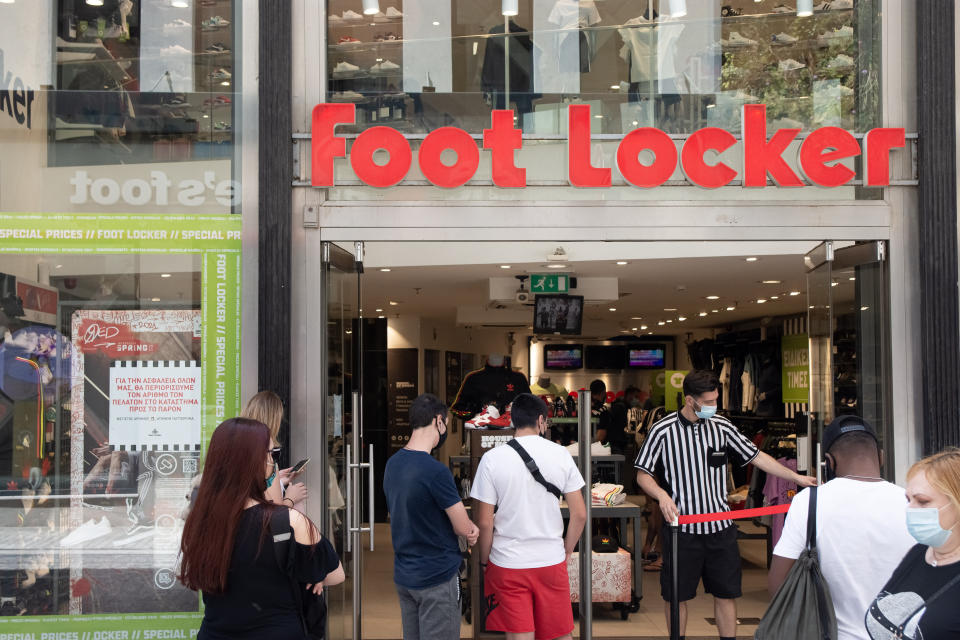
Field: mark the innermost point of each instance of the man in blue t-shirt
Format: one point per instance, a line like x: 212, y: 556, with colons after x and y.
x: 426, y: 516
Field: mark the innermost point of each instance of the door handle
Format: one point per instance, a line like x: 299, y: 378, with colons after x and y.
x: 348, y: 524
x: 370, y: 495
x: 370, y: 506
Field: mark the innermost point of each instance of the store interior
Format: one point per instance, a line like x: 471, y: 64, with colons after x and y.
x: 436, y: 311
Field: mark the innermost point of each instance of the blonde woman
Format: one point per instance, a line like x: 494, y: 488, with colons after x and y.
x: 266, y: 407
x: 920, y: 599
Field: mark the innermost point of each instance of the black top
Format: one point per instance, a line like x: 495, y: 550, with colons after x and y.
x: 912, y: 584
x: 499, y: 385
x: 258, y: 602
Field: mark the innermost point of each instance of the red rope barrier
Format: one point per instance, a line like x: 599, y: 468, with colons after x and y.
x: 734, y: 515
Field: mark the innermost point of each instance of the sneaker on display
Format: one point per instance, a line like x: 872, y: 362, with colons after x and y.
x: 220, y: 74
x: 837, y: 35
x: 219, y: 47
x: 222, y: 126
x: 504, y: 421
x: 784, y: 39
x: 177, y: 101
x: 345, y: 67
x: 86, y: 532
x: 790, y: 65
x: 737, y: 40
x: 782, y: 8
x: 842, y: 61
x: 334, y: 19
x: 352, y: 15
x: 386, y: 65
x: 482, y: 419
x: 393, y: 12
x: 178, y: 23
x: 347, y: 96
x: 379, y: 16
x: 348, y: 40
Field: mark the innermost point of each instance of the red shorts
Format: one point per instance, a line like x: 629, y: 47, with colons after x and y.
x: 525, y: 600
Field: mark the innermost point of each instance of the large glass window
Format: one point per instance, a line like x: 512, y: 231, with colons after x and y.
x: 119, y: 301
x: 675, y: 64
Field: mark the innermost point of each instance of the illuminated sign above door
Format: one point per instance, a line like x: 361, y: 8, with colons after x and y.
x: 819, y: 158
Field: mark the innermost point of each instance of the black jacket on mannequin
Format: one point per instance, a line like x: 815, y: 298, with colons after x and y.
x: 499, y: 385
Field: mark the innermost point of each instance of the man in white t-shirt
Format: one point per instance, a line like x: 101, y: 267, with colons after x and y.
x: 861, y: 525
x: 523, y: 553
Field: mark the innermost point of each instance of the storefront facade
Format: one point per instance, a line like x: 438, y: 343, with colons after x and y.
x: 161, y: 210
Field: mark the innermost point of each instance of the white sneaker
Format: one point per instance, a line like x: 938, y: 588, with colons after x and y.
x: 842, y: 61
x: 782, y: 8
x: 347, y: 96
x: 482, y: 419
x: 345, y: 67
x: 790, y: 65
x: 386, y: 65
x: 737, y: 40
x: 334, y: 19
x: 392, y: 12
x: 352, y: 15
x: 86, y: 532
x: 784, y: 39
x: 837, y: 35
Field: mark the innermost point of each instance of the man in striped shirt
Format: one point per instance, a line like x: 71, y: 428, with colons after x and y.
x: 692, y: 448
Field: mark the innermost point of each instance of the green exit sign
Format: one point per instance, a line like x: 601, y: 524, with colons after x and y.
x: 549, y: 283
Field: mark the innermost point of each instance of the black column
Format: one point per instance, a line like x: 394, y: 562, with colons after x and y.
x: 939, y: 323
x: 276, y: 178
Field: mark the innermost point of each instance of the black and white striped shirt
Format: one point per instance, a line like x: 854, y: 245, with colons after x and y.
x: 691, y: 458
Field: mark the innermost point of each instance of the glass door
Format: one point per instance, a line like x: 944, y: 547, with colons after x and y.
x: 344, y: 473
x: 848, y: 329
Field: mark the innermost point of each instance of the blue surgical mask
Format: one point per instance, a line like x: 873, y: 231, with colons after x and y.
x: 272, y: 475
x: 706, y: 412
x: 924, y: 526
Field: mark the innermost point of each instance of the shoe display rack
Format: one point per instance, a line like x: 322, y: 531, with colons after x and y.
x: 213, y: 73
x: 107, y: 110
x: 802, y: 68
x: 365, y: 61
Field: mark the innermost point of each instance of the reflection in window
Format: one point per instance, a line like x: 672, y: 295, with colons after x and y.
x: 142, y: 81
x: 674, y: 64
x: 91, y: 496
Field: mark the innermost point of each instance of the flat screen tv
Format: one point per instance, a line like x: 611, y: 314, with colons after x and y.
x: 558, y: 314
x: 647, y: 357
x: 563, y: 356
x: 609, y: 357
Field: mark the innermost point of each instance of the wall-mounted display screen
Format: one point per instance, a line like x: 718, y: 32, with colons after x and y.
x: 563, y: 356
x: 611, y: 357
x: 558, y: 314
x: 647, y: 357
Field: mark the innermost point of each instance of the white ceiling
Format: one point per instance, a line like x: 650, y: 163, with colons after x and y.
x: 431, y: 279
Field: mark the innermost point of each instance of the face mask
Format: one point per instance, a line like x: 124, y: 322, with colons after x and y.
x: 443, y: 437
x: 924, y: 526
x: 272, y: 475
x: 706, y: 412
x: 829, y: 471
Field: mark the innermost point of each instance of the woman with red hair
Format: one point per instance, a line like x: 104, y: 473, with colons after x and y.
x: 227, y: 547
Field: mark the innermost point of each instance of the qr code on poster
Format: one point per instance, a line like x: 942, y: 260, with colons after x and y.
x: 189, y: 465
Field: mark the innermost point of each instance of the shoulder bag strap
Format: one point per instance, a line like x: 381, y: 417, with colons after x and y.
x: 534, y: 469
x: 822, y: 605
x: 283, y: 549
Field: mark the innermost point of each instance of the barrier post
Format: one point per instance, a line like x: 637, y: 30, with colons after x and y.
x: 674, y: 581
